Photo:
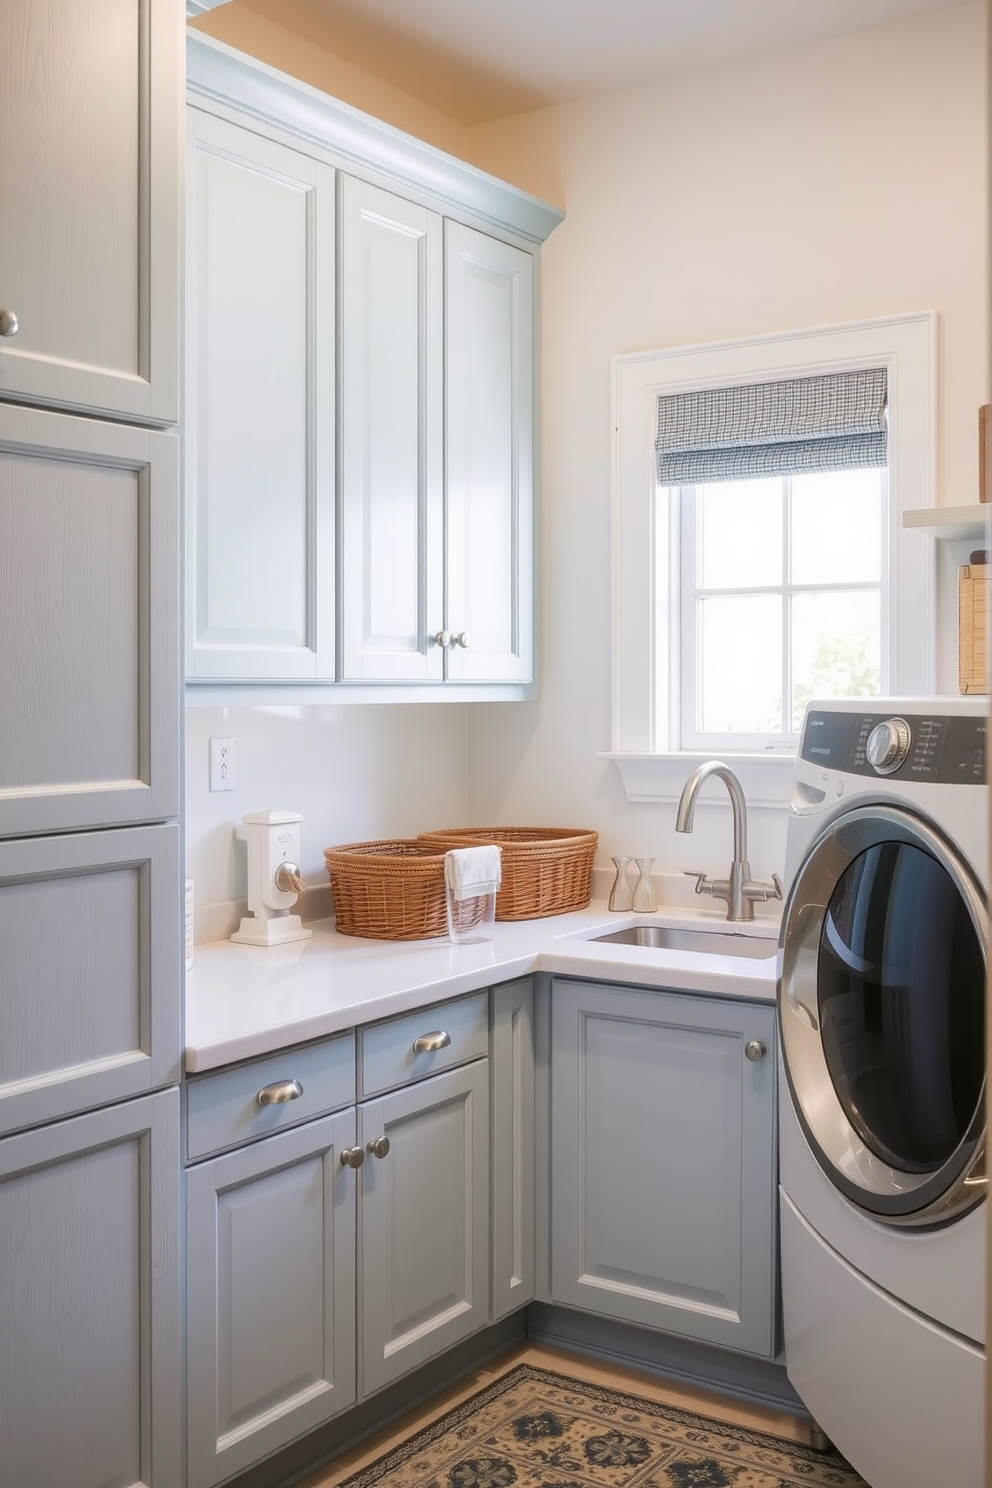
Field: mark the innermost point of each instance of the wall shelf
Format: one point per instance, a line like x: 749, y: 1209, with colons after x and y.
x: 952, y: 523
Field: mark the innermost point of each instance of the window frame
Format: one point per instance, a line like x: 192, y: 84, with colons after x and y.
x: 646, y: 556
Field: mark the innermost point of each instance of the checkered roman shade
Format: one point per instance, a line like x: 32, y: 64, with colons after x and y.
x: 834, y: 422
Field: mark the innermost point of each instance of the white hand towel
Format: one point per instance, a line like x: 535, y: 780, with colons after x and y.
x: 471, y: 871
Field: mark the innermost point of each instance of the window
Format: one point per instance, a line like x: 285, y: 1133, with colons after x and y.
x: 738, y: 594
x: 780, y: 600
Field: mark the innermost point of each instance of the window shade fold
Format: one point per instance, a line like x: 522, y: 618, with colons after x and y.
x: 833, y: 422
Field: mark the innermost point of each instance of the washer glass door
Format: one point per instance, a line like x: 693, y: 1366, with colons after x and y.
x: 883, y: 1015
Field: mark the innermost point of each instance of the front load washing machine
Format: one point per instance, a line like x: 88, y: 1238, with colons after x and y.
x: 882, y: 1109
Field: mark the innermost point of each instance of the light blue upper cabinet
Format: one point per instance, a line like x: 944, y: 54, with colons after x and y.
x: 489, y: 429
x: 419, y: 460
x: 392, y: 517
x: 259, y: 407
x: 90, y: 161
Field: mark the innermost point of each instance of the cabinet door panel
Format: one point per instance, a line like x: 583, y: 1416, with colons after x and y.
x: 391, y: 418
x: 424, y: 1222
x: 89, y: 641
x: 260, y: 408
x: 664, y: 1166
x: 92, y: 1013
x: 271, y: 1277
x: 90, y: 130
x: 512, y: 1078
x: 489, y: 389
x: 89, y: 1300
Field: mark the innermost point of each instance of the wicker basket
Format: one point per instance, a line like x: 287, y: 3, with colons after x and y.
x: 973, y: 608
x: 546, y: 870
x: 388, y: 890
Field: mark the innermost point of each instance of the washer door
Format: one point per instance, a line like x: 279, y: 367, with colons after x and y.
x: 882, y: 1014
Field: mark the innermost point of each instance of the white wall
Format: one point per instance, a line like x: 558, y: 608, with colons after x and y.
x: 356, y: 772
x: 840, y: 180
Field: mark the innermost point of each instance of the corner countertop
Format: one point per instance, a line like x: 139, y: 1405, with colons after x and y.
x: 243, y: 1001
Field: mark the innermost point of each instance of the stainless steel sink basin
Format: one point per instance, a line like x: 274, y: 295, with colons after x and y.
x: 712, y: 942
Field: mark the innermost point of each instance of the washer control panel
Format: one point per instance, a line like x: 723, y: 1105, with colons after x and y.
x: 932, y: 748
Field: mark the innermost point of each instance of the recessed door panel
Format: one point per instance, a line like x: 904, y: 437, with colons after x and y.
x: 91, y: 1013
x: 391, y: 418
x: 260, y: 408
x: 88, y: 634
x: 90, y: 129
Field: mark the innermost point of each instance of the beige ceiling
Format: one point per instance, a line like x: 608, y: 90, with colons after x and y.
x: 476, y: 60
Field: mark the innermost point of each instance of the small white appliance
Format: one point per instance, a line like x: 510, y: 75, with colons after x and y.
x: 882, y: 1096
x: 274, y: 878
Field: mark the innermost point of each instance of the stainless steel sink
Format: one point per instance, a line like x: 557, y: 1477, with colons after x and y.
x: 712, y: 942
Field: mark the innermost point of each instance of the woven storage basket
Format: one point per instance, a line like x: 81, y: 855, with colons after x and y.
x: 546, y: 870
x: 973, y: 608
x: 388, y: 890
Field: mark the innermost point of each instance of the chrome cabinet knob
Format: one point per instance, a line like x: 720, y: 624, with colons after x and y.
x: 378, y: 1146
x: 289, y: 879
x: 462, y: 639
x: 888, y: 745
x: 754, y: 1050
x: 279, y: 1093
x: 442, y: 638
x: 429, y: 1043
x: 352, y: 1157
x: 8, y: 323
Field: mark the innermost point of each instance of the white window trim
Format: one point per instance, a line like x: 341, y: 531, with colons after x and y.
x: 642, y: 747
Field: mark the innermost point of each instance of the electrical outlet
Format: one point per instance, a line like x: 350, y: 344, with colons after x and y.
x: 221, y: 764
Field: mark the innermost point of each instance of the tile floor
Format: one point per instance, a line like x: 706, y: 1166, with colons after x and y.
x: 719, y: 1406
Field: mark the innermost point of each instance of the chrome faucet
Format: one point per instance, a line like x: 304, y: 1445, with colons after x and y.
x: 739, y: 890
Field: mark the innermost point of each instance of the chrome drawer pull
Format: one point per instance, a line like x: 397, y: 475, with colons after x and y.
x: 279, y: 1093
x: 428, y: 1043
x: 378, y: 1146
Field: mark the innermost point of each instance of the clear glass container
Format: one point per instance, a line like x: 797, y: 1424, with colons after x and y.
x: 622, y: 895
x: 470, y: 920
x: 645, y: 898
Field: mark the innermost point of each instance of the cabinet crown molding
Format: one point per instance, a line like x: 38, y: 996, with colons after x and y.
x: 219, y: 74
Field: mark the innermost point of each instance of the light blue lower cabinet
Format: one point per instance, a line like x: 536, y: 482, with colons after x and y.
x: 424, y: 1221
x: 663, y: 1161
x: 89, y: 1299
x: 271, y: 1295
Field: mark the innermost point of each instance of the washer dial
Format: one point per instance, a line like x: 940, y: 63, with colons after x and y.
x: 888, y: 745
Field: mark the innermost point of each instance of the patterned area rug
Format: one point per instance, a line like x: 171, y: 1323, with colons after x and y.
x: 537, y: 1429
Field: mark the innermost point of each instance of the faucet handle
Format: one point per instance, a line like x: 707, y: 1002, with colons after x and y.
x: 762, y: 890
x: 702, y: 887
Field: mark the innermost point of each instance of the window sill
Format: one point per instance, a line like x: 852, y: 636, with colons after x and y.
x: 765, y: 778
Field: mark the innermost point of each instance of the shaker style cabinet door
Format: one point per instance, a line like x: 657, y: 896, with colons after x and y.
x: 89, y: 624
x: 664, y: 1161
x: 271, y: 1295
x: 90, y: 186
x: 423, y: 1231
x: 259, y: 401
x: 489, y: 457
x: 90, y: 970
x: 390, y: 430
x: 89, y: 1300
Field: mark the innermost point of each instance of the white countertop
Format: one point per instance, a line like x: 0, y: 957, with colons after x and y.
x: 242, y: 1001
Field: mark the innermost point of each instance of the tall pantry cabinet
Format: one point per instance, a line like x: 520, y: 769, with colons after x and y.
x: 90, y: 923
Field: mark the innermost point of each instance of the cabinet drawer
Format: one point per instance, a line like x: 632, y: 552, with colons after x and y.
x: 388, y: 1054
x: 224, y: 1111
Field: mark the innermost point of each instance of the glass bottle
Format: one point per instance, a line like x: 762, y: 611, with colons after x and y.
x: 644, y: 898
x: 621, y: 895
